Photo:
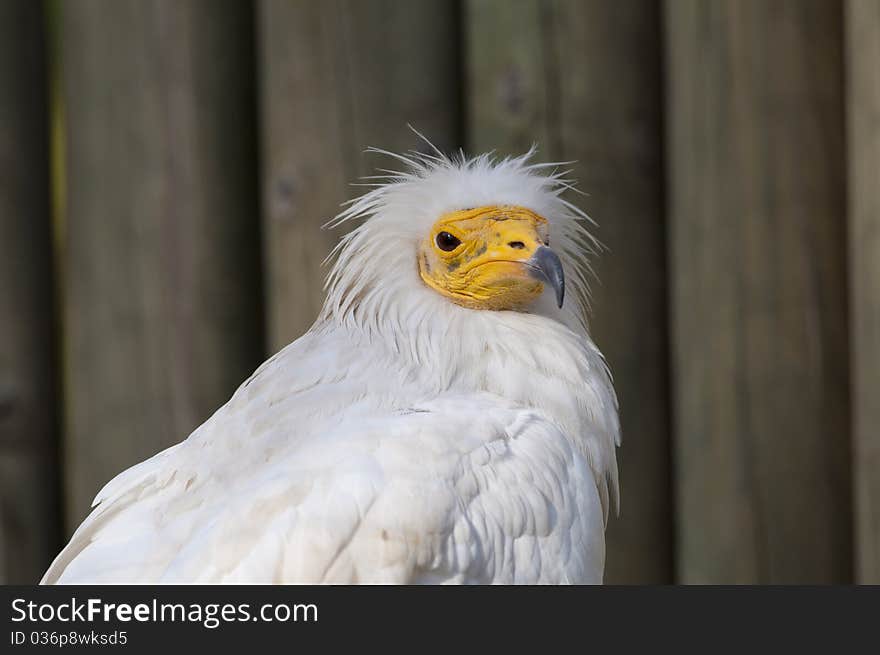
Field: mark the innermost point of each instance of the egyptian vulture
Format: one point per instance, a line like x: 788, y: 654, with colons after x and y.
x: 447, y: 419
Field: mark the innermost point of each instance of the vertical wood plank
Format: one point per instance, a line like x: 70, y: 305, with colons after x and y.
x: 584, y: 80
x: 863, y: 104
x: 28, y: 516
x: 337, y: 77
x: 758, y: 269
x: 510, y: 70
x: 162, y: 309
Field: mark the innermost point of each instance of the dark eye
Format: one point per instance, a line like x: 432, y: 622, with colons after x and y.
x: 447, y: 242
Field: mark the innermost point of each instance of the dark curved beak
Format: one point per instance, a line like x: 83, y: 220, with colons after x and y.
x: 545, y: 265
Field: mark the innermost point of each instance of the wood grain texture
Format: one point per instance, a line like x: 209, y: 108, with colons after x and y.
x: 510, y: 77
x: 583, y: 79
x: 863, y: 67
x: 162, y: 309
x: 337, y: 77
x: 758, y: 269
x: 28, y: 513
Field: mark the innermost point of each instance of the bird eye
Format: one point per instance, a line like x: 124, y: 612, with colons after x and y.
x: 447, y: 242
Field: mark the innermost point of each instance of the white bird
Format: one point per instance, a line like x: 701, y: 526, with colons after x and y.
x: 447, y: 419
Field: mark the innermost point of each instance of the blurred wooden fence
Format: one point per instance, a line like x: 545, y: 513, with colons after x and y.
x: 165, y: 167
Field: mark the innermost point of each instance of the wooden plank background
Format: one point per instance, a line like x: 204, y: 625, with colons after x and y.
x: 757, y: 219
x: 730, y: 152
x: 162, y: 300
x: 863, y: 105
x: 29, y: 526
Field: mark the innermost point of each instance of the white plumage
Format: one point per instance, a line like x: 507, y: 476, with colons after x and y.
x: 403, y: 439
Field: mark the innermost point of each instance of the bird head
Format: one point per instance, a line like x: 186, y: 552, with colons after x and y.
x: 492, y: 257
x: 479, y: 234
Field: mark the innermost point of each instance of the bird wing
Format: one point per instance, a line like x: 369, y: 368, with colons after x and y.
x: 457, y: 489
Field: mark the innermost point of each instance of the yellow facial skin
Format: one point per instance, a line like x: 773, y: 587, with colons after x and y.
x: 486, y: 270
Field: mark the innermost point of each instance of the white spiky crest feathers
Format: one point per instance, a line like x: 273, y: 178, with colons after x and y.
x: 374, y: 268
